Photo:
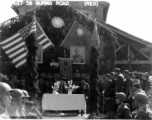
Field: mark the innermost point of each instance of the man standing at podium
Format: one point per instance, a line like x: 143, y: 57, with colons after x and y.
x: 63, y: 86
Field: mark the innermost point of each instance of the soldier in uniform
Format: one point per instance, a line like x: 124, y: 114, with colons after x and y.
x: 128, y: 85
x: 123, y: 111
x: 5, y: 100
x: 109, y: 95
x: 119, y: 83
x: 77, y: 57
x: 136, y: 89
x: 143, y: 111
x: 15, y: 109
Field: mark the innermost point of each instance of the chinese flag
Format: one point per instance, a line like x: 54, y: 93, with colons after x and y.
x: 78, y: 36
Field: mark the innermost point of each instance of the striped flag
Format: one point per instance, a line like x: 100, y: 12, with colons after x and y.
x: 14, y: 46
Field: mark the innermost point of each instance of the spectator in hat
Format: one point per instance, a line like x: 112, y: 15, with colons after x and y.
x: 113, y: 77
x: 123, y: 111
x: 128, y: 84
x: 119, y: 81
x: 136, y: 89
x: 145, y: 81
x: 143, y: 112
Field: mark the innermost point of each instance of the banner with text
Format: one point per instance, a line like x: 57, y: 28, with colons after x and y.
x: 66, y: 67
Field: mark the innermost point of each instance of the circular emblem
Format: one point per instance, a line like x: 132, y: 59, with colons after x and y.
x: 80, y: 31
x: 57, y: 22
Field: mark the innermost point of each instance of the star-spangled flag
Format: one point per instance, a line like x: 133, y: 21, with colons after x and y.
x: 78, y: 35
x: 14, y: 46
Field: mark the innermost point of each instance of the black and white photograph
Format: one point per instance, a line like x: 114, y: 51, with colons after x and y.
x: 77, y: 54
x: 76, y: 59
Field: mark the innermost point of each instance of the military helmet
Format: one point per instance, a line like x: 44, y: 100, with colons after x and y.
x: 141, y: 98
x: 4, y: 88
x: 121, y: 96
x: 17, y: 94
x: 117, y: 70
x: 25, y: 93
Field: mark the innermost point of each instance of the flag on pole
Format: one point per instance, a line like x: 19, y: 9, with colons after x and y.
x: 78, y: 35
x: 95, y: 37
x: 14, y: 46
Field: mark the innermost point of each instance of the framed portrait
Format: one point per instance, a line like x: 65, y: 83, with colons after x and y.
x: 77, y: 54
x: 39, y: 54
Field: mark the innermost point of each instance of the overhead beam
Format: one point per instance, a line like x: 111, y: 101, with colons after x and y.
x: 134, y: 62
x: 142, y: 53
x: 120, y: 47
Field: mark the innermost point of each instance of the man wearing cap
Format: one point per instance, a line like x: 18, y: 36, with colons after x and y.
x: 119, y: 83
x: 123, y: 111
x: 136, y: 89
x: 5, y: 100
x: 143, y: 111
x: 128, y: 84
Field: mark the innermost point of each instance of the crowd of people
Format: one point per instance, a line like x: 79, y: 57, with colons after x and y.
x: 14, y: 104
x: 124, y: 95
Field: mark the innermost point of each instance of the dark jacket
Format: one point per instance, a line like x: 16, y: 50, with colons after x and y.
x: 123, y: 112
x: 62, y: 87
x: 119, y: 84
x: 84, y: 89
x: 128, y: 85
x: 109, y: 89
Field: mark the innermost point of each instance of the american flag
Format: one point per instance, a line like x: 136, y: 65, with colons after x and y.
x: 14, y: 46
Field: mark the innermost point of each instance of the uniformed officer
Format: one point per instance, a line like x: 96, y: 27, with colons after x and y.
x: 119, y: 82
x: 109, y: 95
x: 5, y: 100
x: 77, y: 57
x: 128, y: 84
x: 15, y: 109
x: 123, y: 111
x: 143, y: 111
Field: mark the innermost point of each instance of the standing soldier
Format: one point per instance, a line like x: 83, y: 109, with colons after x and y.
x: 109, y: 95
x: 128, y: 83
x: 119, y: 83
x: 15, y: 109
x: 5, y: 100
x: 143, y: 111
x: 123, y: 111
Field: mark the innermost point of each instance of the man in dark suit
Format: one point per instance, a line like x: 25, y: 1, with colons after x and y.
x: 119, y: 83
x: 63, y: 85
x: 128, y: 84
